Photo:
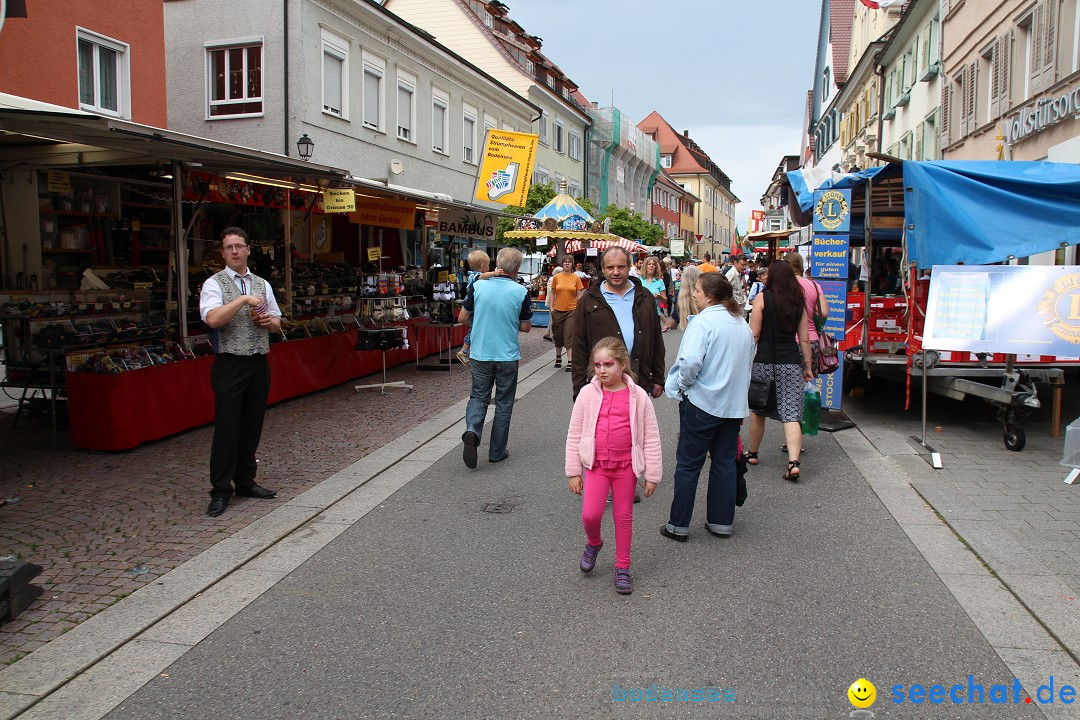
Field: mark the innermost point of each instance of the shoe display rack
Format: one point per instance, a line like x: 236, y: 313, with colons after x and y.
x: 383, y: 327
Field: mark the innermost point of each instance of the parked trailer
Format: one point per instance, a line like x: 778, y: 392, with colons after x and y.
x: 949, y: 213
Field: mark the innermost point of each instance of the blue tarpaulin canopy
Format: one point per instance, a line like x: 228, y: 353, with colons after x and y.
x: 976, y: 212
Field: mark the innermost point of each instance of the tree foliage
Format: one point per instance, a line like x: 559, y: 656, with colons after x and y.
x: 633, y: 225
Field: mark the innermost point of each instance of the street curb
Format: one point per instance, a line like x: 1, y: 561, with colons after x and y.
x: 1018, y: 637
x: 85, y: 673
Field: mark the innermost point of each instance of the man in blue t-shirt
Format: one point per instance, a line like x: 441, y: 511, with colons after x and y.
x: 497, y: 310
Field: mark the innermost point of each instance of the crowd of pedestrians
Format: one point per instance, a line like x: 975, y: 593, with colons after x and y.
x: 739, y: 322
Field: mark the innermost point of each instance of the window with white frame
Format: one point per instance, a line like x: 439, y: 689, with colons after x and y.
x: 551, y: 81
x: 574, y: 147
x: 374, y: 72
x: 573, y: 189
x: 665, y: 160
x: 104, y: 74
x: 541, y: 175
x: 440, y: 120
x: 931, y: 143
x: 542, y: 132
x: 335, y: 95
x: 1075, y: 65
x: 468, y: 133
x: 406, y: 106
x: 557, y: 140
x: 234, y: 79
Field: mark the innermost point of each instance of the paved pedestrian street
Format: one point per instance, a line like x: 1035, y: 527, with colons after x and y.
x: 406, y: 585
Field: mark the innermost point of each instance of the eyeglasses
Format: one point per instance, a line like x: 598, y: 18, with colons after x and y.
x: 234, y: 248
x: 599, y: 364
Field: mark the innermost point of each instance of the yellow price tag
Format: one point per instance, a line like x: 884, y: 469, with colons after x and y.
x: 374, y: 254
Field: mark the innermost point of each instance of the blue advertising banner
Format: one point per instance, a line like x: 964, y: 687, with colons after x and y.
x: 831, y: 386
x: 836, y: 295
x: 829, y: 256
x: 1022, y: 309
x: 832, y: 211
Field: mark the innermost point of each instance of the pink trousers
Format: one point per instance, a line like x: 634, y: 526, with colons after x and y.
x: 620, y: 483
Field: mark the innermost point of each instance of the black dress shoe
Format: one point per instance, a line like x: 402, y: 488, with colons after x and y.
x: 257, y: 491
x: 668, y: 534
x: 468, y: 453
x: 217, y: 506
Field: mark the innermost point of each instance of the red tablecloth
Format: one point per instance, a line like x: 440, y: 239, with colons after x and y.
x: 119, y: 412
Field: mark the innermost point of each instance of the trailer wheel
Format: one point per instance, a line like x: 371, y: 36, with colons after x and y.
x: 1015, y: 439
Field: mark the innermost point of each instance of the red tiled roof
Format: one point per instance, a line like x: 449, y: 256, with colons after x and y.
x: 841, y: 15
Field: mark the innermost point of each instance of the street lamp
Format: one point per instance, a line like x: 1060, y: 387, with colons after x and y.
x: 305, y: 146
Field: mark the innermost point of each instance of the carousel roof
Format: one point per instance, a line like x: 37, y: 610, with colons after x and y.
x: 563, y: 206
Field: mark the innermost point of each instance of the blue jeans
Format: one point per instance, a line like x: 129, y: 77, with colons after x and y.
x: 503, y: 376
x: 702, y: 434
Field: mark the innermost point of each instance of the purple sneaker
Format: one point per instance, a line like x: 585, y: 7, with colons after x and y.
x: 588, y: 558
x: 623, y: 584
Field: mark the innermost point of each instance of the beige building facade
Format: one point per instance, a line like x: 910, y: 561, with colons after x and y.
x: 1012, y: 80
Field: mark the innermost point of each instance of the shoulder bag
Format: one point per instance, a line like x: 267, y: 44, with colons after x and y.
x: 827, y: 359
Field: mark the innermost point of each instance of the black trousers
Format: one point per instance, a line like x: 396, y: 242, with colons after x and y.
x: 241, y: 385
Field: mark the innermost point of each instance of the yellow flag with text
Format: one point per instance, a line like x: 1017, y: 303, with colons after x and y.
x: 506, y: 167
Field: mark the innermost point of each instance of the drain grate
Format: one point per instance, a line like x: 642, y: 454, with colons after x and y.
x: 497, y: 508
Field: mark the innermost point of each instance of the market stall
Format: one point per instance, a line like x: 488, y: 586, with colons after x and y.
x: 879, y: 234
x: 111, y: 228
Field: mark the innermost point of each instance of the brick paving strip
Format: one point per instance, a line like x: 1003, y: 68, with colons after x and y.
x: 104, y: 525
x: 1000, y: 528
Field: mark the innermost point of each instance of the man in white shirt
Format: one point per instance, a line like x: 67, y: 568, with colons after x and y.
x: 241, y: 309
x: 735, y: 276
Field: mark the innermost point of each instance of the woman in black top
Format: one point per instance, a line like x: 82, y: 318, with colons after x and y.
x: 779, y: 324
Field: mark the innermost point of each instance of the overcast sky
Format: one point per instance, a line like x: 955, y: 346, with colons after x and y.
x: 732, y: 72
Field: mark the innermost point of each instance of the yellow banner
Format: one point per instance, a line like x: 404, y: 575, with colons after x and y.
x: 384, y: 212
x: 339, y: 201
x: 506, y: 168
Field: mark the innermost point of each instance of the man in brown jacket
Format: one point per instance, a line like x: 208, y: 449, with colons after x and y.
x: 619, y: 307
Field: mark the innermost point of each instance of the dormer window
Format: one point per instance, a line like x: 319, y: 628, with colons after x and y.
x: 551, y: 81
x: 530, y: 66
x: 488, y: 20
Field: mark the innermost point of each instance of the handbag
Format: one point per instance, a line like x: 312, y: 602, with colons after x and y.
x: 761, y: 396
x: 827, y: 360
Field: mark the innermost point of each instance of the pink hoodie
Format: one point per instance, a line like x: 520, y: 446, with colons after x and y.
x: 646, y: 456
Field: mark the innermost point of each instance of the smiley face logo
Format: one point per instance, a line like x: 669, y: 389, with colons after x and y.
x: 862, y: 693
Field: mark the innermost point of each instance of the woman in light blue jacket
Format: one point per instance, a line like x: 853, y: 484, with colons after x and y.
x: 710, y: 379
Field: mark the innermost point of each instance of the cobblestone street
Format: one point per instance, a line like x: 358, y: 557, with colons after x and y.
x: 102, y: 525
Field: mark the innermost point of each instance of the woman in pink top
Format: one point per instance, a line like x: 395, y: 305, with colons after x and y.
x: 613, y: 435
x: 814, y: 299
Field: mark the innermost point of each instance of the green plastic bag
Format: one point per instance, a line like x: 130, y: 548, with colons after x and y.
x: 811, y: 412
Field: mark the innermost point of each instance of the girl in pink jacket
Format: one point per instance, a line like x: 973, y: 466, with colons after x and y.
x: 613, y: 435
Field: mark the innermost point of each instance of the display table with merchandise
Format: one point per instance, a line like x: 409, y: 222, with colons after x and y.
x: 121, y: 411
